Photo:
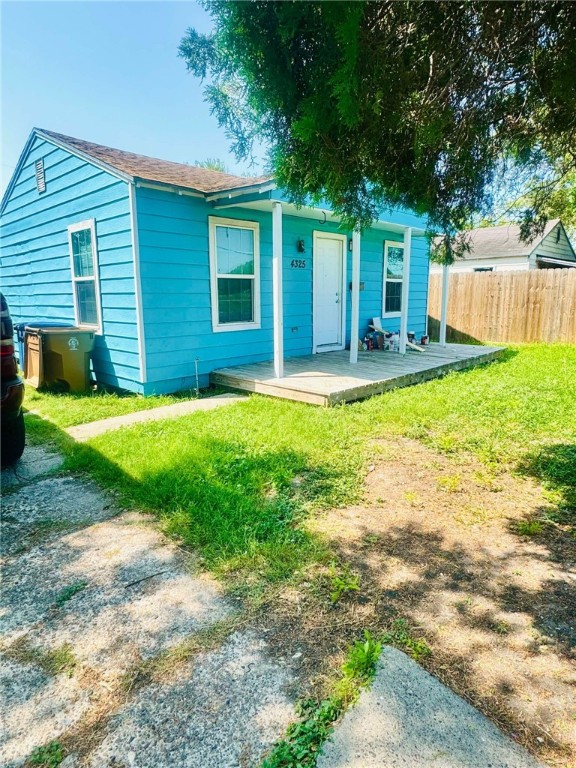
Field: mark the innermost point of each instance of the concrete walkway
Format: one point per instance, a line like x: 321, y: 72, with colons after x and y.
x: 408, y: 719
x: 84, y: 432
x: 90, y: 596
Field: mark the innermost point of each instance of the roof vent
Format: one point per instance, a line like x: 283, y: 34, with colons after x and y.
x: 40, y: 180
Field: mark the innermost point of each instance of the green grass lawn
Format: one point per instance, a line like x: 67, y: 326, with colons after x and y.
x: 238, y: 482
x: 68, y: 410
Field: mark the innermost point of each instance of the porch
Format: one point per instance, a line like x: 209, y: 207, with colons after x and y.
x: 330, y: 378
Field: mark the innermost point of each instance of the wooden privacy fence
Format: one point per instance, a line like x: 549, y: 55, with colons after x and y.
x: 538, y: 305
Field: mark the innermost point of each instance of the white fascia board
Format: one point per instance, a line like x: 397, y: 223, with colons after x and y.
x: 560, y: 262
x: 173, y: 188
x: 228, y: 194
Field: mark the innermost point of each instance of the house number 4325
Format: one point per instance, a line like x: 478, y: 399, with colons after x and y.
x: 298, y: 263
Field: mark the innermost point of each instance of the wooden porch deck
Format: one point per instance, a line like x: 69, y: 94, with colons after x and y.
x: 328, y: 378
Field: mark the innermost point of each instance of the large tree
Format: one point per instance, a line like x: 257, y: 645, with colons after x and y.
x: 380, y: 104
x: 552, y: 192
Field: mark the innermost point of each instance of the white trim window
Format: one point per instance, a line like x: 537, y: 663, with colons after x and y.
x: 84, y: 268
x: 234, y: 274
x: 393, y: 278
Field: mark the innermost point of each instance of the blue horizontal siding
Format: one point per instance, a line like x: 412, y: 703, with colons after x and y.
x: 35, y: 266
x: 175, y: 274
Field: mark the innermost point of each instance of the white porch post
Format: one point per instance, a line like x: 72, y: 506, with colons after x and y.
x: 355, y: 309
x: 277, y: 290
x: 405, y: 290
x: 444, y: 304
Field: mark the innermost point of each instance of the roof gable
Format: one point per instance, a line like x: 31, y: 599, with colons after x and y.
x: 556, y: 245
x: 130, y: 166
x: 504, y: 241
x: 153, y: 169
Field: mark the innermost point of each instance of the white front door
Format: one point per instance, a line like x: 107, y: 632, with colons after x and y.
x: 329, y: 296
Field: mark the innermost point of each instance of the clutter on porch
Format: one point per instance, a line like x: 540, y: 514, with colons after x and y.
x: 377, y: 338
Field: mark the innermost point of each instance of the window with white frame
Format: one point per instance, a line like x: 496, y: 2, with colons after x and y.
x: 235, y: 274
x: 84, y: 264
x: 393, y: 277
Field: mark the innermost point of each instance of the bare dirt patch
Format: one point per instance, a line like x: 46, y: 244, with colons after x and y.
x: 436, y: 542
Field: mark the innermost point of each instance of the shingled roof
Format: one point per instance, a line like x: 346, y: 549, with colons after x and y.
x: 495, y: 242
x: 155, y: 170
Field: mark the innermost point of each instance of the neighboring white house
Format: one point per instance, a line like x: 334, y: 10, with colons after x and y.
x: 497, y: 249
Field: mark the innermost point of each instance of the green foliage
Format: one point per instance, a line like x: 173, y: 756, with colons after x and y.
x: 362, y: 658
x: 68, y: 592
x: 400, y: 635
x: 342, y: 581
x: 60, y: 660
x: 303, y: 742
x: 70, y: 409
x: 529, y: 527
x: 304, y: 739
x: 371, y: 105
x: 212, y: 164
x: 554, y: 465
x: 52, y: 662
x: 48, y: 756
x: 552, y: 191
x: 222, y: 481
x: 449, y: 483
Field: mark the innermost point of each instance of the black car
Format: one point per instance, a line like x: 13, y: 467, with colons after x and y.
x: 11, y: 416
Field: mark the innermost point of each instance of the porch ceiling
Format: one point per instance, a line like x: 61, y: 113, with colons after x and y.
x: 265, y: 200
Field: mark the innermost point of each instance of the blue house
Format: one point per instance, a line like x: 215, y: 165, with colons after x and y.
x: 181, y: 270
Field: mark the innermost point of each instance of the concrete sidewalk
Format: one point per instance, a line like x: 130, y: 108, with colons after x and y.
x: 90, y: 597
x: 83, y: 432
x: 408, y: 719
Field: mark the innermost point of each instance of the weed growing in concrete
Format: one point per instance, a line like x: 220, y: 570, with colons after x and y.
x: 53, y: 662
x: 68, y: 592
x: 304, y: 739
x: 362, y: 658
x: 48, y: 756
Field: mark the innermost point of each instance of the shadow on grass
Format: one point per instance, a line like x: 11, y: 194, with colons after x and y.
x: 240, y: 508
x: 555, y: 467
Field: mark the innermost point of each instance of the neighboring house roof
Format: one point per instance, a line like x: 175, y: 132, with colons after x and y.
x: 503, y: 241
x: 152, y: 169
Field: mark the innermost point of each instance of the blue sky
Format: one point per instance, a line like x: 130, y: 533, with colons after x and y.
x: 106, y: 72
